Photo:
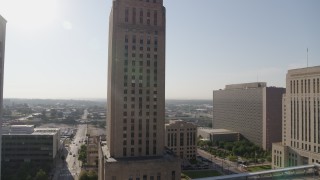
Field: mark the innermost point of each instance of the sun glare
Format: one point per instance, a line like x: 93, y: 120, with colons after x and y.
x: 29, y: 14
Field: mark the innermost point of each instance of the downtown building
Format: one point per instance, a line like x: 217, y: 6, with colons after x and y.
x: 134, y: 147
x: 26, y: 144
x: 181, y: 138
x: 3, y: 23
x: 252, y: 109
x: 300, y: 120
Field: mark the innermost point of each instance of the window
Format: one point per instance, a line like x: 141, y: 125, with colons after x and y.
x: 141, y: 16
x: 134, y: 15
x: 126, y: 39
x: 156, y: 41
x: 155, y: 18
x: 124, y: 151
x: 133, y: 39
x: 126, y: 16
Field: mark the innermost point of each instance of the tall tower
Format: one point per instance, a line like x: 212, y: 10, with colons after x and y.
x: 136, y: 94
x: 136, y: 78
x: 2, y: 47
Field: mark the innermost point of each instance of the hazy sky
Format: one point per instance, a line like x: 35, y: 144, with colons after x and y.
x: 58, y: 48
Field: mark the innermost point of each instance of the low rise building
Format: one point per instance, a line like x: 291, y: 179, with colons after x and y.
x: 181, y: 138
x: 24, y: 143
x: 215, y: 135
x: 92, y: 150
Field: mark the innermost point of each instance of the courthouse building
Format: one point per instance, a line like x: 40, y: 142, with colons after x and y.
x: 300, y: 120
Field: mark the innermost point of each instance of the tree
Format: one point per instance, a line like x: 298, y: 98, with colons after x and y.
x: 41, y: 175
x: 83, y: 175
x: 83, y: 153
x: 233, y: 158
x: 88, y: 175
x: 92, y: 175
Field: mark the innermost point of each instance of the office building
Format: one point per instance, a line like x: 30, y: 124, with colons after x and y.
x: 2, y: 49
x: 136, y: 93
x: 24, y: 143
x: 181, y: 138
x: 252, y: 109
x: 300, y: 120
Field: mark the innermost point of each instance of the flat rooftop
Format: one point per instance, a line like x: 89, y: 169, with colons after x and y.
x: 216, y: 131
x: 28, y: 130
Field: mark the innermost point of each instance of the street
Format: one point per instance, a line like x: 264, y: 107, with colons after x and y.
x: 71, y: 167
x: 221, y: 165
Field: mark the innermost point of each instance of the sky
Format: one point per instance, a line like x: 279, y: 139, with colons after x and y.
x: 59, y: 48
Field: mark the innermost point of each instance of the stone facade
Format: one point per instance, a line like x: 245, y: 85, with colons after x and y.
x: 136, y: 93
x: 181, y: 138
x: 300, y: 120
x: 3, y: 23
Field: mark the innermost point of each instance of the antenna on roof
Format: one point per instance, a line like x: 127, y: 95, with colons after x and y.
x: 307, y: 57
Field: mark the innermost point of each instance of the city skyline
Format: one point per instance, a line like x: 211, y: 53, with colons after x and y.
x: 233, y: 42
